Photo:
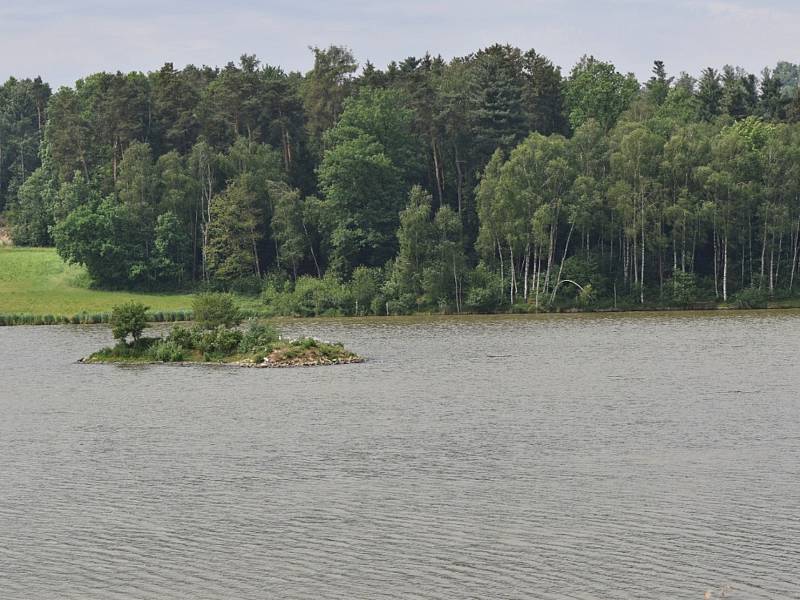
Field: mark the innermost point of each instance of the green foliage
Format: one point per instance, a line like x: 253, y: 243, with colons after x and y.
x: 172, y: 253
x: 31, y: 212
x: 182, y: 337
x: 202, y: 178
x: 312, y: 296
x: 595, y: 90
x: 166, y: 351
x: 371, y: 154
x: 108, y: 240
x: 218, y: 342
x: 682, y: 288
x: 431, y: 264
x: 233, y: 233
x: 259, y: 337
x: 485, y: 290
x: 212, y: 310
x: 585, y: 270
x: 289, y: 227
x: 327, y: 86
x: 587, y: 295
x: 750, y: 298
x: 127, y: 319
x: 365, y: 288
x: 23, y: 105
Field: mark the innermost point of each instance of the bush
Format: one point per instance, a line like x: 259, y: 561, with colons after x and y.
x: 682, y: 288
x: 219, y: 341
x: 307, y: 343
x: 583, y: 271
x: 166, y: 351
x: 212, y: 310
x: 485, y: 292
x: 310, y: 297
x: 326, y: 296
x: 127, y: 319
x: 404, y: 305
x: 364, y: 287
x: 258, y: 337
x: 182, y: 337
x: 750, y: 298
x: 247, y: 286
x: 587, y: 296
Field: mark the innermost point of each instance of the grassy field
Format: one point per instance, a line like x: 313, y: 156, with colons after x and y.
x: 35, y: 281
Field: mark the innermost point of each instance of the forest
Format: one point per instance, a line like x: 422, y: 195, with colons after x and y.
x: 487, y: 182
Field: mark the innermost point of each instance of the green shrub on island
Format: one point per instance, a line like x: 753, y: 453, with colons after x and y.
x: 219, y: 342
x: 166, y: 351
x: 127, y: 319
x: 258, y: 337
x: 215, y: 309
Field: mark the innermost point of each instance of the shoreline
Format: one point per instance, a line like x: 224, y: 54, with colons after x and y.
x: 238, y: 364
x: 18, y: 319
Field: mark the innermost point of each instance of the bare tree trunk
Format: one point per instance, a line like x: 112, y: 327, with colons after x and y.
x: 536, y: 269
x: 763, y: 251
x: 311, y: 247
x: 437, y: 171
x: 527, y: 267
x: 287, y: 147
x: 611, y: 243
x: 114, y: 158
x: 716, y: 259
x: 641, y: 278
x: 674, y: 253
x: 561, y: 266
x: 459, y: 183
x: 255, y: 253
x: 725, y: 270
x: 794, y: 255
x: 750, y: 247
x: 502, y: 273
x: 455, y: 281
x: 513, y: 283
x: 625, y: 259
x: 683, y: 244
x: 194, y: 244
x: 550, y: 252
x: 772, y: 265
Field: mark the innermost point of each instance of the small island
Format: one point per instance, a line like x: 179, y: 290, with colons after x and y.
x: 216, y: 338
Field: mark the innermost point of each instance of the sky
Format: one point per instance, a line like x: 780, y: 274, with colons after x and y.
x: 64, y: 40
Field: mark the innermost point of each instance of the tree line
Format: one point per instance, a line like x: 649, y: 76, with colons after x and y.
x: 486, y: 181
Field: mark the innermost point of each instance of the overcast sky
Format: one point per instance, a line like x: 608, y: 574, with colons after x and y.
x: 62, y: 40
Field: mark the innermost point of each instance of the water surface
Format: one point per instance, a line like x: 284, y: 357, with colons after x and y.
x: 579, y: 456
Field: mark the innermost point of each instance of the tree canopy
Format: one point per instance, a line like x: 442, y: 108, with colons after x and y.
x: 486, y: 179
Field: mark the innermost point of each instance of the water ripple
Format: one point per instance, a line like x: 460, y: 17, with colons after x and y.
x: 575, y: 457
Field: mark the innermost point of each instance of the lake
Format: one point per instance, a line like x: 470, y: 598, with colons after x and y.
x: 575, y: 456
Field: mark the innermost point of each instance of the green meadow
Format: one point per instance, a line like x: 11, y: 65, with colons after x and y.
x: 35, y: 281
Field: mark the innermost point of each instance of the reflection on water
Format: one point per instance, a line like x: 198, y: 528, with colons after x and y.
x: 581, y: 456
